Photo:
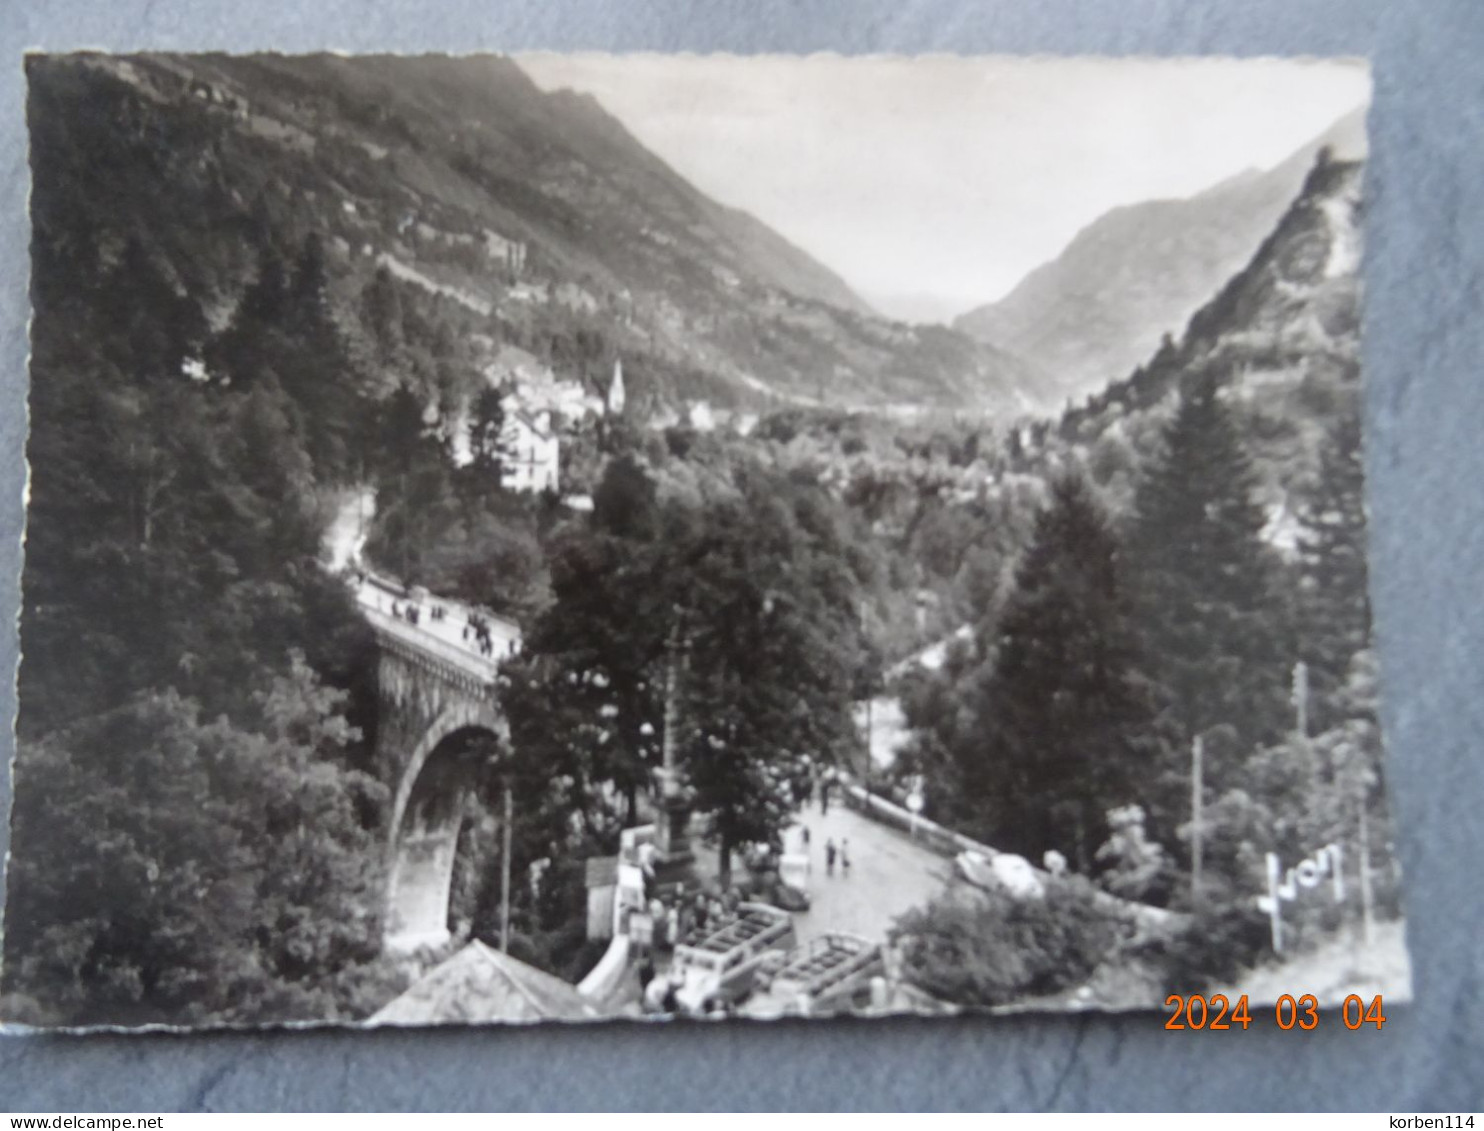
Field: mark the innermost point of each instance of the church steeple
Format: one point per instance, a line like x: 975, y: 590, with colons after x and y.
x: 615, y: 389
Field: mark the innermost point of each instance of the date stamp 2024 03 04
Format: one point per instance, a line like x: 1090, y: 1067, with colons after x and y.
x: 1198, y: 1012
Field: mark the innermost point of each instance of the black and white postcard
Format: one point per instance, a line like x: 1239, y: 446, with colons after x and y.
x: 566, y: 537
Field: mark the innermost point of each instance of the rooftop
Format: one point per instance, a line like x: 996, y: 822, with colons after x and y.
x: 479, y: 985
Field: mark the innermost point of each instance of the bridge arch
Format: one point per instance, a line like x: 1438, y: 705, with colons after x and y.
x: 427, y: 820
x: 469, y: 715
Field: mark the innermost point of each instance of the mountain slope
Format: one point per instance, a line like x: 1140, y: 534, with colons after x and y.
x: 1140, y: 271
x: 523, y: 209
x: 1283, y: 337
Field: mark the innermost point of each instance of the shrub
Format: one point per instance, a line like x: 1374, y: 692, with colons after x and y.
x: 1215, y: 946
x: 993, y: 949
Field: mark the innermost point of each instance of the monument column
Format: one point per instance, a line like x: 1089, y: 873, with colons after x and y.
x: 674, y: 800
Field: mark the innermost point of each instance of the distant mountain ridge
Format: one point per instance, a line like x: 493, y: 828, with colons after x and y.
x: 1140, y: 271
x: 1282, y: 339
x: 524, y: 208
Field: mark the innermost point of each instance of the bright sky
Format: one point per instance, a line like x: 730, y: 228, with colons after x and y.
x: 933, y: 185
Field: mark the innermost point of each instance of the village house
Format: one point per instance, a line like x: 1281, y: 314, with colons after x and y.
x: 532, y: 452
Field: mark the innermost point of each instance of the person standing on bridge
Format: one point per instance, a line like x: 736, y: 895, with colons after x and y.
x: 829, y: 857
x: 845, y: 856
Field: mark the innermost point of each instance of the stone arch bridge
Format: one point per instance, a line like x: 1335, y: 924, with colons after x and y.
x: 437, y: 709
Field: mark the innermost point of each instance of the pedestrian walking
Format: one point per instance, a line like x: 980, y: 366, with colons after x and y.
x: 829, y: 857
x: 660, y: 920
x: 824, y: 797
x: 845, y: 855
x: 804, y: 836
x: 646, y: 975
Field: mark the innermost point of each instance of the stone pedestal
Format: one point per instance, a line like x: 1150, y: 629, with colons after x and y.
x: 673, y: 832
x: 675, y: 861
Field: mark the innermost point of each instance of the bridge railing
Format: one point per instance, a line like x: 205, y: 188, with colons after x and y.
x: 388, y: 588
x: 942, y: 840
x: 465, y: 659
x: 948, y: 843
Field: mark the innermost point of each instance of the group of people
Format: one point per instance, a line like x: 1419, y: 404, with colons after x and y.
x: 831, y: 853
x: 478, y: 631
x: 671, y: 918
x: 412, y: 612
x: 408, y: 612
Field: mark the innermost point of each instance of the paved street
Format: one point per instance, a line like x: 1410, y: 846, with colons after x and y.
x: 888, y: 874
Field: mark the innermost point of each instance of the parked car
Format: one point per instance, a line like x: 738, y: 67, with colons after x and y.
x: 1003, y: 871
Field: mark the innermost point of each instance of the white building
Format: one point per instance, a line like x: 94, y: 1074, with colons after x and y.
x: 532, y: 452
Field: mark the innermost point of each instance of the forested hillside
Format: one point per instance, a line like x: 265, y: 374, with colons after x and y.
x: 1197, y: 573
x: 516, y: 215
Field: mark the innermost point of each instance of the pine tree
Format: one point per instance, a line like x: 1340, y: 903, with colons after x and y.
x: 317, y: 372
x: 1335, y: 607
x: 624, y: 503
x: 410, y: 483
x: 1212, y: 622
x: 252, y: 342
x: 1065, y: 725
x: 487, y: 440
x: 381, y: 311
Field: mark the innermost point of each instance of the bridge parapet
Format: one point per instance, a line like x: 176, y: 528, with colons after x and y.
x: 464, y: 669
x: 443, y: 628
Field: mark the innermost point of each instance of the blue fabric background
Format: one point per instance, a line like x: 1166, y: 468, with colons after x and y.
x: 1424, y: 354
